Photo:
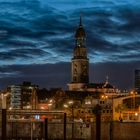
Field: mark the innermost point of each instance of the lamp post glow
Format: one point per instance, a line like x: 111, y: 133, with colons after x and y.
x: 104, y: 97
x: 136, y: 114
x: 3, y: 100
x: 4, y: 116
x: 133, y: 93
x: 49, y: 106
x: 66, y: 106
x: 70, y: 105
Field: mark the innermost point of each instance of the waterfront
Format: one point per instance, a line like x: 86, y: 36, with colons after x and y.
x: 35, y: 130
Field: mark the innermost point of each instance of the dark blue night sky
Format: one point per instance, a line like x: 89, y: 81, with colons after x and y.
x: 37, y: 40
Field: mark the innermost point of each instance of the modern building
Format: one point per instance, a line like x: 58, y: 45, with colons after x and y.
x: 5, y: 99
x: 15, y: 97
x: 137, y: 80
x: 127, y: 107
x: 29, y: 95
x: 23, y: 96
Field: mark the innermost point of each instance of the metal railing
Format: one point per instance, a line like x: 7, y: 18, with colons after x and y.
x: 46, y: 129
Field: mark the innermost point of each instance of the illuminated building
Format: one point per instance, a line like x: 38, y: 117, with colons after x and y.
x: 29, y: 97
x: 15, y: 97
x: 137, y: 80
x: 80, y: 67
x: 80, y: 61
x: 124, y: 107
x: 5, y: 99
x: 23, y: 96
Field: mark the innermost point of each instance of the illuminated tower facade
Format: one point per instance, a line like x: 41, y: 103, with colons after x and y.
x: 80, y: 61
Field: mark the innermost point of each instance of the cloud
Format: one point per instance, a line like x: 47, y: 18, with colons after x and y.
x: 42, y: 30
x: 45, y: 75
x: 34, y: 34
x: 59, y: 75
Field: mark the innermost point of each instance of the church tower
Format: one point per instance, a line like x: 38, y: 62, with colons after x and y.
x: 80, y: 61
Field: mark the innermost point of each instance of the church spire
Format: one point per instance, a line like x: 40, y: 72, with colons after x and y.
x: 80, y: 35
x: 80, y: 61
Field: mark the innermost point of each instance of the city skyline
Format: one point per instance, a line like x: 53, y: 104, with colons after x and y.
x: 37, y: 41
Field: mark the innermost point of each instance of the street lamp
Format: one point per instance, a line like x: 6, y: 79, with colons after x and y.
x: 4, y: 100
x: 72, y: 109
x: 136, y: 114
x: 133, y: 93
x: 70, y: 102
x: 104, y: 97
x: 51, y: 103
x: 49, y: 106
x: 65, y: 105
x: 70, y: 105
x: 51, y: 100
x: 4, y: 116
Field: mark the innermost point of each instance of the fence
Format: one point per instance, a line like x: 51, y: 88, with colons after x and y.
x: 35, y: 130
